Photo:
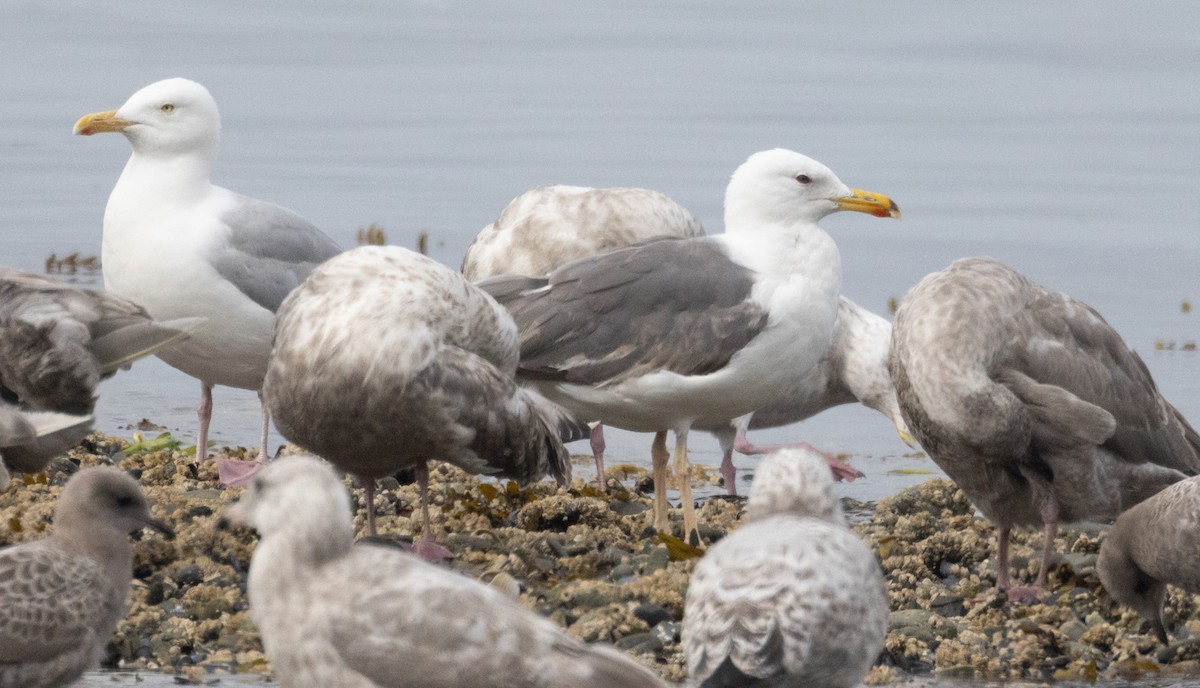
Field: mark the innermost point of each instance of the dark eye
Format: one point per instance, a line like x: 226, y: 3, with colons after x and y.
x: 124, y: 501
x: 167, y: 107
x: 804, y: 179
x: 259, y: 484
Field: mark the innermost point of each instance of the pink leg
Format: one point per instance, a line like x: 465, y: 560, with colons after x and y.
x: 729, y: 472
x: 1002, y: 580
x: 596, y: 438
x: 841, y: 469
x: 205, y: 415
x: 427, y: 548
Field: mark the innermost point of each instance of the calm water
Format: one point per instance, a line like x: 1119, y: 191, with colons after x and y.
x: 1059, y: 136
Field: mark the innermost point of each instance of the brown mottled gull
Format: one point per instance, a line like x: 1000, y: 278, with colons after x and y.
x: 792, y: 597
x: 56, y: 344
x: 1032, y: 403
x: 336, y: 613
x: 385, y: 359
x: 61, y: 596
x: 676, y: 333
x: 179, y: 246
x: 548, y: 227
x: 1152, y: 544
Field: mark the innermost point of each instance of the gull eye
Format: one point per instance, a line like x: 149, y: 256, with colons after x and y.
x: 804, y: 179
x: 259, y: 484
x: 167, y: 108
x: 124, y: 501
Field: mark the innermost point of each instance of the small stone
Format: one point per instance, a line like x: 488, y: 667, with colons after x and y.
x: 652, y: 614
x: 1073, y: 629
x: 640, y: 643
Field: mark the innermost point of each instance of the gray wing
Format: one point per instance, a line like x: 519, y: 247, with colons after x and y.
x: 1068, y: 346
x: 666, y: 304
x: 29, y: 439
x: 57, y: 342
x: 50, y: 602
x: 270, y: 251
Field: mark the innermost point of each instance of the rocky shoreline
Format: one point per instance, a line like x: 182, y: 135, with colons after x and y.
x: 591, y: 562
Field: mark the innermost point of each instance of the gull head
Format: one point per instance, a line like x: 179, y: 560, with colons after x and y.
x: 104, y: 496
x: 298, y: 495
x: 793, y: 481
x: 169, y: 117
x: 780, y: 186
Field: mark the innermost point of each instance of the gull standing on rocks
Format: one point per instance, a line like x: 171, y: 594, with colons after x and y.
x: 790, y: 598
x: 61, y: 596
x: 674, y: 333
x: 1152, y: 544
x: 336, y: 613
x: 548, y: 227
x: 1032, y: 404
x: 385, y: 359
x: 56, y: 344
x: 179, y: 246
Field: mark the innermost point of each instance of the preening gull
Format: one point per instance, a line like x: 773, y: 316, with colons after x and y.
x: 1032, y: 403
x: 56, y: 344
x: 674, y: 333
x: 385, y: 359
x: 1152, y: 544
x: 179, y: 246
x: 853, y: 368
x: 548, y: 227
x: 335, y: 613
x: 61, y: 596
x: 792, y: 597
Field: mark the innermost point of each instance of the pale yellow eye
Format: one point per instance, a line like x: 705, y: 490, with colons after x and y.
x: 167, y: 107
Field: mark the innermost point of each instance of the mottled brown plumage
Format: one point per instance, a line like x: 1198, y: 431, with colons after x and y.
x: 1031, y: 402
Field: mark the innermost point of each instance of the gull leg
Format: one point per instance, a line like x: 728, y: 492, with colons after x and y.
x: 368, y: 485
x: 266, y: 427
x: 596, y: 438
x: 1049, y: 512
x: 728, y: 470
x: 691, y: 532
x: 204, y: 413
x: 841, y: 469
x: 659, y: 457
x: 1002, y: 580
x: 427, y: 548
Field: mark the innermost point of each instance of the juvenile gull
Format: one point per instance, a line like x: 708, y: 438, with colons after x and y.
x: 1152, y: 544
x: 548, y: 227
x: 61, y: 596
x: 335, y: 613
x: 1032, y: 403
x: 56, y: 344
x: 674, y: 333
x: 179, y: 246
x: 385, y: 359
x: 792, y: 597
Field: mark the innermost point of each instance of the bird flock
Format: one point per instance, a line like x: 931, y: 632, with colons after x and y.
x: 576, y: 309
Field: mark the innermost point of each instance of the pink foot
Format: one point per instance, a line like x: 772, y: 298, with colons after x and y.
x: 236, y: 473
x: 431, y: 551
x: 1025, y: 595
x: 841, y: 470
